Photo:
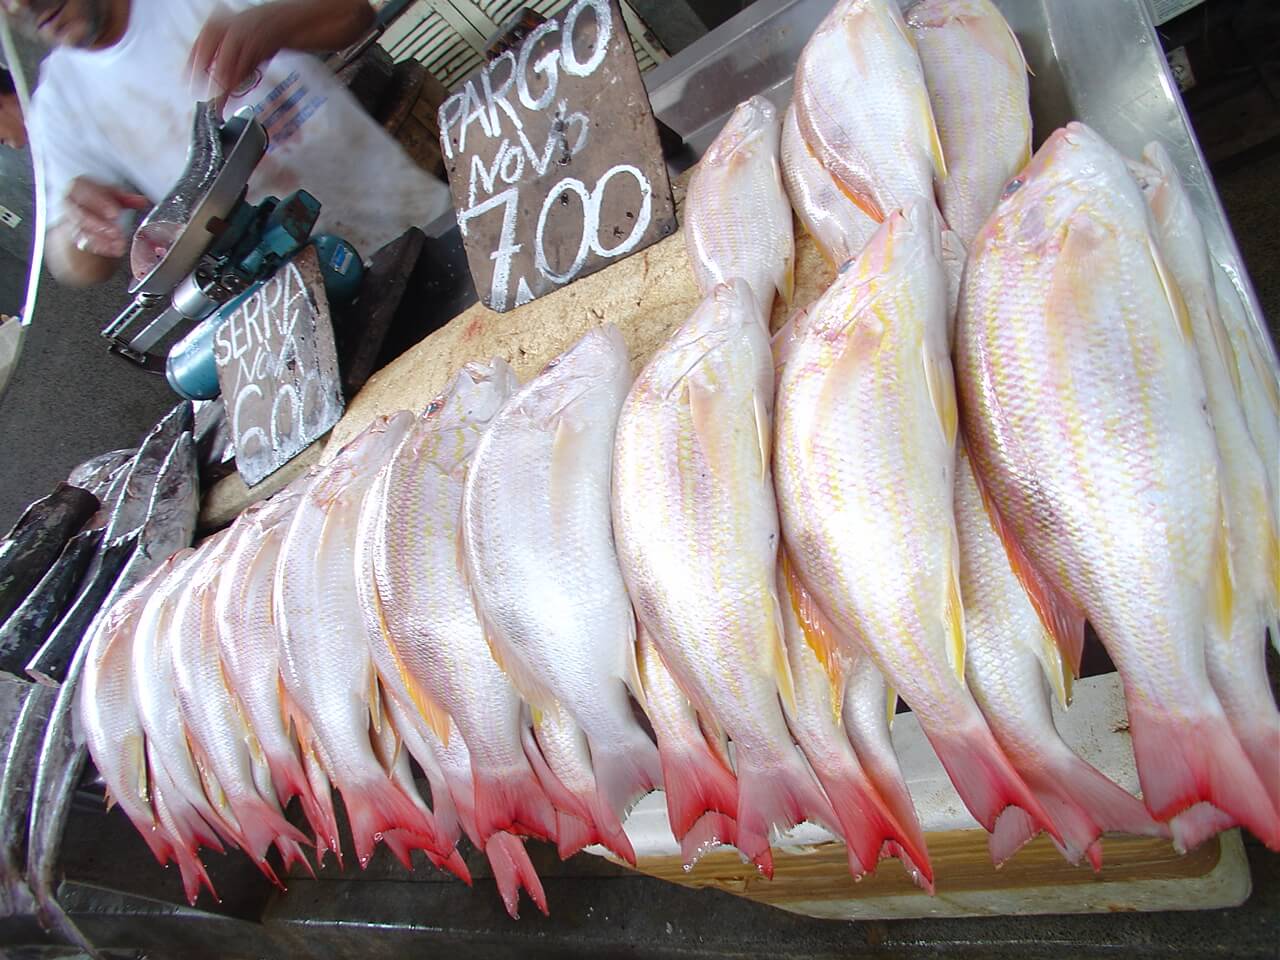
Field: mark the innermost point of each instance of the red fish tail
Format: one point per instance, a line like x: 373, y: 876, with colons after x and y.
x: 696, y: 783
x: 375, y: 807
x: 511, y: 800
x: 512, y: 871
x: 866, y: 824
x: 775, y: 789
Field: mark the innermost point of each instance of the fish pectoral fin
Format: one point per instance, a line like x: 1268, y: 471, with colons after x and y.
x: 1221, y: 577
x: 955, y: 615
x: 708, y: 424
x: 1060, y: 617
x: 764, y: 432
x: 890, y: 705
x: 942, y: 393
x: 1172, y: 293
x: 863, y: 336
x: 820, y: 633
x: 375, y: 703
x: 526, y: 681
x: 780, y: 665
x: 1055, y: 668
x: 860, y: 200
x: 566, y: 455
x: 936, y: 156
x: 634, y: 680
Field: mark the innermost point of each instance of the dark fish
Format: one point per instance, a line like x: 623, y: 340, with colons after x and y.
x: 20, y: 760
x: 94, y: 474
x: 215, y: 448
x: 35, y: 541
x: 28, y: 627
x: 135, y: 500
x: 49, y: 664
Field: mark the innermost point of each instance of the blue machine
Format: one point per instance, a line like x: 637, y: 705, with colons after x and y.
x: 223, y: 250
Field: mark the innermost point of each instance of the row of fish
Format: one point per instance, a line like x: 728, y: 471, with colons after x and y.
x: 762, y: 545
x: 146, y: 508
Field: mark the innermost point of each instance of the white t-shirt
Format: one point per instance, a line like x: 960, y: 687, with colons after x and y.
x: 123, y: 116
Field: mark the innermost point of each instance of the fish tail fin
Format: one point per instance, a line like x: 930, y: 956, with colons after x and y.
x: 291, y: 853
x: 401, y: 846
x: 1261, y: 742
x: 260, y: 827
x: 627, y: 767
x: 376, y: 806
x: 1196, y: 824
x: 867, y: 824
x: 290, y: 780
x: 775, y: 789
x: 572, y: 834
x: 194, y: 875
x: 184, y: 826
x: 696, y: 783
x: 321, y: 814
x: 1184, y: 760
x: 562, y: 798
x: 512, y: 871
x: 449, y: 861
x: 984, y: 778
x: 511, y: 799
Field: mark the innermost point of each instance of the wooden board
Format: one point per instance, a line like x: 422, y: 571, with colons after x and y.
x: 278, y: 368
x: 553, y: 158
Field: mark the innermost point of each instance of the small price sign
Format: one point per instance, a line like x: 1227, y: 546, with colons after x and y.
x: 278, y: 368
x: 553, y: 158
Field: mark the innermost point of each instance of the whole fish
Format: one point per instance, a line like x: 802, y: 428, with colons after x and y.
x: 737, y: 222
x: 1085, y: 418
x: 543, y: 569
x: 250, y: 655
x: 838, y: 226
x: 328, y: 678
x: 863, y: 108
x: 28, y: 627
x: 31, y: 547
x: 1236, y: 658
x: 424, y: 636
x: 977, y: 81
x: 223, y: 746
x: 108, y: 717
x: 97, y: 472
x: 696, y: 777
x: 697, y: 530
x: 865, y: 456
x: 1009, y: 656
x: 867, y: 821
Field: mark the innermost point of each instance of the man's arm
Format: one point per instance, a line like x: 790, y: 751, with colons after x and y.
x: 231, y: 46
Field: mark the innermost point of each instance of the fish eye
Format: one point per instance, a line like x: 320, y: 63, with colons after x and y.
x: 434, y: 406
x: 1012, y: 187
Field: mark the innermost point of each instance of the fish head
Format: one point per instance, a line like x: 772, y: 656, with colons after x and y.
x: 753, y: 128
x: 1074, y: 175
x: 938, y: 13
x: 591, y: 378
x: 474, y: 395
x: 363, y: 455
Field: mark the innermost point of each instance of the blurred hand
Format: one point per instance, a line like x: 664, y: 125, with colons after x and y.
x: 233, y: 45
x: 93, y: 216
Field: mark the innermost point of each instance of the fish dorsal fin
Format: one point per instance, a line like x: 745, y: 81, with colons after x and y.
x: 779, y: 664
x: 715, y: 737
x: 1057, y: 613
x: 819, y: 633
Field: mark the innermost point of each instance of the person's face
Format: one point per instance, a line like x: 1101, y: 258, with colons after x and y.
x: 89, y: 24
x: 13, y: 129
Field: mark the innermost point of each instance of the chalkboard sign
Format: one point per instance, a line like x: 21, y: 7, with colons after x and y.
x: 553, y: 158
x: 278, y: 368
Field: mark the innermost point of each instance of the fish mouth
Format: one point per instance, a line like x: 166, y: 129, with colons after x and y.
x: 52, y: 15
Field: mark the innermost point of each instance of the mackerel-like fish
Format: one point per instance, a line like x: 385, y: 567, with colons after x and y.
x: 1085, y: 416
x: 32, y: 546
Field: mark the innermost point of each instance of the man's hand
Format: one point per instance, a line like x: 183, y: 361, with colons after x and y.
x: 84, y: 245
x: 93, y: 216
x: 232, y: 45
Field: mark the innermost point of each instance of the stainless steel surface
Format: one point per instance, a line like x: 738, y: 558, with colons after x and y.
x: 196, y: 236
x: 1098, y: 61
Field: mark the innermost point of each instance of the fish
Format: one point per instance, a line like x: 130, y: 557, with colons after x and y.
x: 737, y: 222
x: 112, y: 729
x: 28, y: 627
x: 869, y: 825
x: 134, y: 505
x: 863, y: 108
x: 222, y: 745
x: 31, y: 547
x: 1012, y: 662
x: 329, y: 683
x: 1085, y: 416
x: 544, y: 573
x: 864, y: 462
x: 976, y: 76
x: 424, y: 636
x: 838, y: 226
x: 697, y: 777
x: 696, y: 526
x: 1236, y: 657
x: 249, y: 648
x: 97, y: 472
x: 22, y: 753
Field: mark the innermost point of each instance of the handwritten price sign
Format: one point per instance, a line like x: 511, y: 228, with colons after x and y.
x: 553, y: 158
x: 278, y: 368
